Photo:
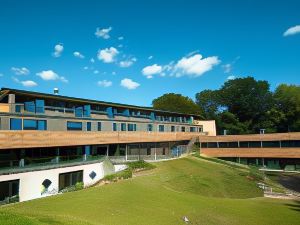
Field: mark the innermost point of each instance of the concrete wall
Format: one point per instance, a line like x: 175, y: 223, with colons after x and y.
x: 31, y: 182
x: 209, y: 126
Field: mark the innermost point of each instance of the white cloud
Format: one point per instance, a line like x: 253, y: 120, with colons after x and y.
x: 104, y: 83
x: 149, y: 71
x: 227, y: 68
x: 113, y: 73
x: 103, y: 33
x: 92, y: 60
x: 120, y: 38
x: 20, y: 71
x: 78, y: 55
x: 128, y: 62
x: 108, y: 55
x: 195, y: 65
x: 51, y: 75
x: 292, y: 31
x: 231, y: 77
x: 129, y: 84
x: 1, y: 75
x: 86, y: 68
x: 58, y: 49
x: 26, y: 83
x: 150, y: 57
x: 96, y: 71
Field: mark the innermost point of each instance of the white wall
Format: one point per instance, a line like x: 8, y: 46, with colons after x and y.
x: 31, y: 182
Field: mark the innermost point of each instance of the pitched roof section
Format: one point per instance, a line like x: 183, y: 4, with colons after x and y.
x: 5, y: 91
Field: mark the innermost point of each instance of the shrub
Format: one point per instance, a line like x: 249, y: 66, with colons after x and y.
x: 76, y: 187
x: 124, y: 174
x: 140, y: 165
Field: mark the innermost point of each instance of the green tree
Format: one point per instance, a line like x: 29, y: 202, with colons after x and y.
x: 208, y: 101
x: 287, y: 102
x: 176, y: 103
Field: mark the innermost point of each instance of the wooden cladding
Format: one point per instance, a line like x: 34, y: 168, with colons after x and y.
x: 252, y: 152
x: 252, y: 137
x: 33, y: 139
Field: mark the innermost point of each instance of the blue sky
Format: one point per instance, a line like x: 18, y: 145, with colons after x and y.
x: 134, y: 51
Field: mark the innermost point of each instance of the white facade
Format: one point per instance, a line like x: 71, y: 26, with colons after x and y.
x: 30, y: 185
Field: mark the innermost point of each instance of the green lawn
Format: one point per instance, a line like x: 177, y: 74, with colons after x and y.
x: 205, y: 192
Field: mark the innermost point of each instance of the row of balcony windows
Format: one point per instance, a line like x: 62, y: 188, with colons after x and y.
x: 252, y: 144
x: 31, y: 124
x: 38, y: 107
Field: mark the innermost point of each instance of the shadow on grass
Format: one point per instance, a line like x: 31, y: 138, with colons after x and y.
x: 294, y: 206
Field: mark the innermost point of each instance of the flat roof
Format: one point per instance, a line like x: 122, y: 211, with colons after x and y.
x: 5, y: 91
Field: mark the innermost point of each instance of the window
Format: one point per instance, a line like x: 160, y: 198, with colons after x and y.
x: 29, y: 106
x: 200, y: 129
x: 131, y: 127
x: 78, y: 112
x: 18, y: 108
x: 172, y: 128
x: 88, y: 126
x: 115, y: 128
x: 182, y: 129
x: 69, y: 179
x: 42, y: 125
x: 74, y: 125
x: 192, y: 129
x: 123, y: 126
x: 39, y: 106
x: 149, y: 127
x: 99, y: 126
x: 270, y: 144
x: 15, y: 124
x: 161, y: 128
x: 34, y: 124
x: 212, y: 144
x: 254, y: 144
x: 87, y: 111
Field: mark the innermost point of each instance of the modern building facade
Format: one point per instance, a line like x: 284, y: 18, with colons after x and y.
x: 49, y: 142
x: 279, y: 151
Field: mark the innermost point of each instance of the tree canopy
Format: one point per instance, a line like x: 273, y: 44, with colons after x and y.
x: 242, y: 105
x: 176, y: 103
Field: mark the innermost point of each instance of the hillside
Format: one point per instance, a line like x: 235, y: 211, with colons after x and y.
x: 206, y: 192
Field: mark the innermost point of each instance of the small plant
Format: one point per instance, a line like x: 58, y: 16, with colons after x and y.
x: 78, y: 186
x: 125, y: 174
x: 140, y: 165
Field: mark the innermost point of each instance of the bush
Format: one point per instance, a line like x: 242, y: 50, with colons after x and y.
x: 125, y: 174
x: 78, y: 186
x: 140, y: 165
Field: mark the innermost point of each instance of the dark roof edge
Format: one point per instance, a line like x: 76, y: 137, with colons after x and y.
x: 94, y: 101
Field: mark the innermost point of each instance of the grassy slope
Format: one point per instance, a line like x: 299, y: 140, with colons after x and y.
x: 206, y: 192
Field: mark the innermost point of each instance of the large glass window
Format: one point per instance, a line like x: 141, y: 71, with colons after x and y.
x: 149, y: 127
x: 78, y: 112
x: 123, y: 126
x: 131, y: 127
x: 87, y: 111
x: 39, y: 106
x: 74, y: 125
x: 34, y: 124
x: 192, y: 129
x: 99, y: 126
x: 115, y: 127
x: 70, y: 179
x: 29, y: 106
x: 161, y: 128
x: 182, y: 129
x: 15, y: 124
x: 88, y: 126
x: 172, y: 128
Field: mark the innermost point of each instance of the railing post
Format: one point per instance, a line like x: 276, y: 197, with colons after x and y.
x: 126, y: 149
